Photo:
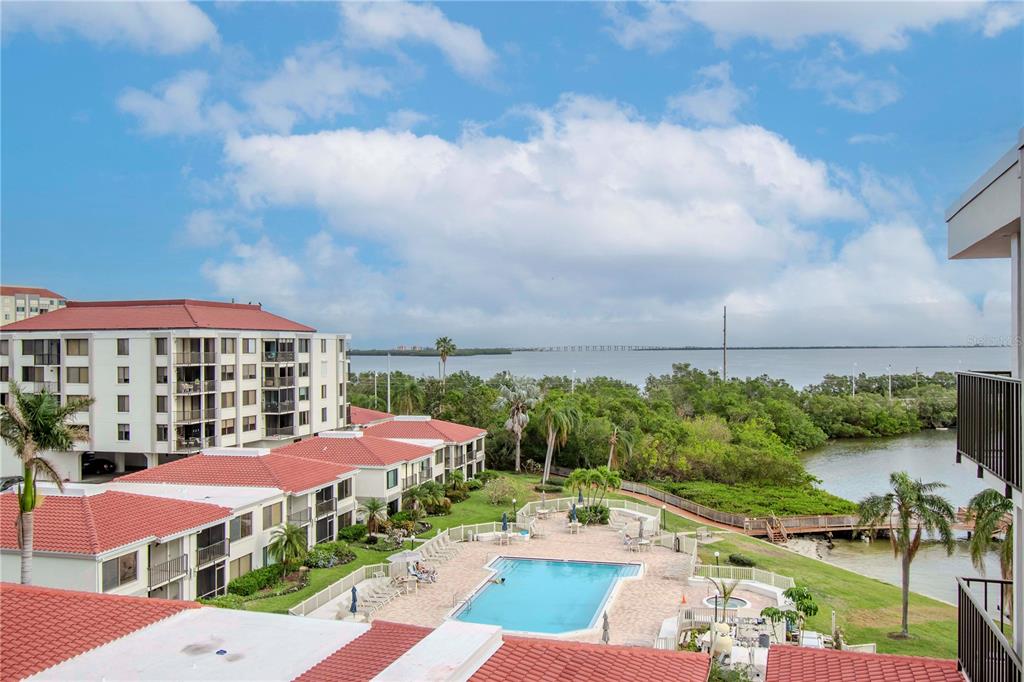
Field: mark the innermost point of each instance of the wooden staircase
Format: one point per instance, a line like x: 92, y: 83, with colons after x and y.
x: 776, y: 530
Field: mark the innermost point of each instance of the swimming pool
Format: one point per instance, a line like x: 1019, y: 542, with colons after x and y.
x: 541, y: 595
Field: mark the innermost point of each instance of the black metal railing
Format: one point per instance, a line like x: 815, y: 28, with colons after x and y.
x: 280, y: 431
x: 326, y: 507
x: 279, y: 406
x: 277, y: 382
x: 212, y: 552
x: 195, y: 386
x: 195, y: 358
x: 168, y: 570
x: 279, y: 356
x: 988, y: 424
x: 186, y: 416
x: 193, y: 443
x: 983, y: 652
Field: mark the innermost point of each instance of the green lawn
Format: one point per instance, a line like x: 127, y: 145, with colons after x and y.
x: 866, y: 609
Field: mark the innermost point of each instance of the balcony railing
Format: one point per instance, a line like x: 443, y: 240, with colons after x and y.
x: 410, y: 482
x: 988, y: 413
x: 326, y: 507
x: 168, y: 570
x: 279, y: 406
x: 194, y: 358
x: 189, y: 416
x: 280, y: 431
x: 279, y: 356
x: 196, y: 386
x: 193, y: 444
x: 982, y: 650
x: 278, y: 382
x: 217, y: 550
x: 299, y: 517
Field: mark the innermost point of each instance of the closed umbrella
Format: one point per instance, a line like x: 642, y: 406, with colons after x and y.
x: 572, y: 513
x: 504, y: 522
x: 580, y: 498
x: 641, y: 529
x: 355, y: 597
x: 605, y: 632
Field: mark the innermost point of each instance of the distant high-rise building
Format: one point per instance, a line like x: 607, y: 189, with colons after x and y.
x: 19, y: 303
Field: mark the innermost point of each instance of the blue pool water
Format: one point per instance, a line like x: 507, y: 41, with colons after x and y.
x: 545, y: 596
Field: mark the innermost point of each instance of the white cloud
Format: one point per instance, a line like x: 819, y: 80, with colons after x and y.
x: 715, y: 99
x: 178, y: 107
x: 871, y: 26
x: 312, y: 84
x: 386, y: 24
x: 406, y: 119
x: 1002, y: 16
x: 160, y: 27
x: 851, y: 90
x: 871, y: 138
x: 211, y: 227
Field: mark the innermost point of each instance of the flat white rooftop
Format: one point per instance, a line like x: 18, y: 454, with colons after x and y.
x: 212, y: 644
x: 232, y: 497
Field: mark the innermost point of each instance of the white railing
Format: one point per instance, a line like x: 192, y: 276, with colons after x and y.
x: 340, y: 587
x: 529, y: 509
x: 783, y: 582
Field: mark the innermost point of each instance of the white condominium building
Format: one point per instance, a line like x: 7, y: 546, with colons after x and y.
x: 18, y: 303
x: 171, y: 377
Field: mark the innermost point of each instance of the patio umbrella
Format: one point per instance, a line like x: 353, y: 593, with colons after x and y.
x: 605, y: 632
x: 572, y: 513
x: 353, y: 608
x: 504, y: 522
x: 408, y: 556
x: 641, y: 529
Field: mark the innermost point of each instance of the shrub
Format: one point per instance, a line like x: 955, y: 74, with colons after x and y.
x: 456, y: 495
x: 440, y: 509
x: 741, y: 560
x: 401, y: 517
x: 596, y: 514
x: 474, y: 484
x: 487, y: 475
x: 353, y: 533
x: 556, y: 480
x: 532, y: 467
x: 548, y: 488
x: 254, y: 581
x: 328, y: 554
x: 501, y: 491
x: 225, y: 601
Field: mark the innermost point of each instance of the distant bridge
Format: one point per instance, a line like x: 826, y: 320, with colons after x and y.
x: 601, y: 348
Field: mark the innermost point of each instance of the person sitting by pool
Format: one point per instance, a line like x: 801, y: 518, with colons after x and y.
x: 497, y: 581
x: 422, y: 573
x: 626, y: 540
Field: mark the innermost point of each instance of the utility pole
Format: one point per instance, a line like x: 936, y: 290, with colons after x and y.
x: 889, y: 369
x: 725, y: 347
x: 853, y: 379
x: 389, y: 383
x: 375, y: 389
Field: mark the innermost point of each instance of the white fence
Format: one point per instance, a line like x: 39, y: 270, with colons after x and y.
x: 336, y: 589
x: 558, y: 504
x: 783, y: 582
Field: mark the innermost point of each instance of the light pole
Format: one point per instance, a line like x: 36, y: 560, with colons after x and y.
x: 853, y: 379
x: 663, y: 508
x: 719, y: 596
x: 889, y: 370
x: 513, y: 510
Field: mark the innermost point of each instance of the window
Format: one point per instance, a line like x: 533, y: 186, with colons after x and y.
x: 227, y: 373
x: 120, y: 571
x: 227, y: 399
x: 323, y: 345
x: 248, y: 371
x: 5, y: 347
x: 161, y: 375
x: 124, y: 432
x: 227, y: 346
x: 303, y: 345
x: 249, y: 423
x: 303, y: 392
x: 248, y: 397
x: 323, y: 414
x: 241, y: 526
x: 161, y: 404
x: 122, y: 403
x: 240, y: 566
x: 227, y: 427
x: 303, y: 369
x: 248, y: 345
x: 303, y: 418
x: 161, y: 433
x: 323, y: 391
x: 392, y: 478
x: 34, y: 373
x: 122, y: 346
x: 78, y: 346
x: 5, y: 373
x: 161, y: 346
x: 78, y: 375
x: 272, y: 515
x: 345, y: 489
x: 122, y: 375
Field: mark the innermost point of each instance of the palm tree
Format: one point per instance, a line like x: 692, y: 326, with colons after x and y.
x: 376, y: 511
x: 992, y: 513
x: 32, y: 423
x: 516, y: 398
x: 910, y: 503
x: 407, y: 394
x: 615, y: 438
x: 445, y: 347
x: 610, y: 480
x: 559, y: 418
x: 288, y: 545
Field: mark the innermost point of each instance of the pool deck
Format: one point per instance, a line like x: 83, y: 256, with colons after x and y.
x: 638, y: 606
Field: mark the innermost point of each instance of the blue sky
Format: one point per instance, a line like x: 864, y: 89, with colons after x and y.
x: 515, y: 173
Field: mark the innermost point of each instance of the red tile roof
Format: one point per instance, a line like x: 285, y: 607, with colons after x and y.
x: 11, y: 290
x: 434, y: 429
x: 521, y: 658
x: 163, y: 314
x: 92, y: 524
x: 274, y: 470
x: 367, y: 655
x: 800, y: 664
x: 364, y: 415
x: 356, y: 451
x: 41, y: 627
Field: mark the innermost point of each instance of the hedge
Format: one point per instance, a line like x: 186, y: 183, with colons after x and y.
x: 254, y: 581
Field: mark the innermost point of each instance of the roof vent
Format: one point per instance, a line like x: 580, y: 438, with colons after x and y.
x: 341, y: 434
x: 413, y: 418
x: 236, y: 452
